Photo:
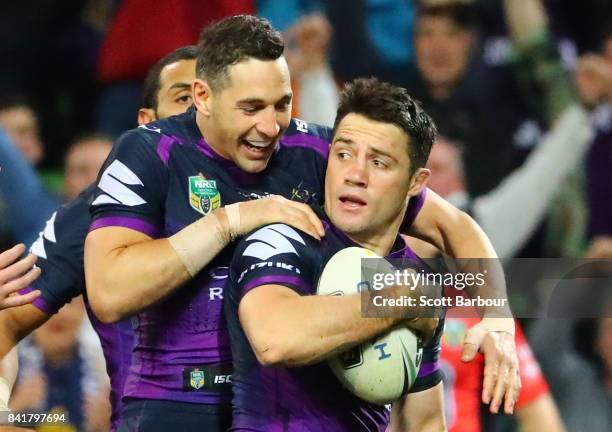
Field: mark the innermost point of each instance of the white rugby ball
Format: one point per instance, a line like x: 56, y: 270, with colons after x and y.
x: 381, y: 370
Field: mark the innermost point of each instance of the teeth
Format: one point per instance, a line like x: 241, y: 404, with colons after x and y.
x: 259, y: 144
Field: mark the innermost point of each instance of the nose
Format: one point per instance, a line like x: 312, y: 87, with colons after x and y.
x: 267, y: 123
x: 356, y: 172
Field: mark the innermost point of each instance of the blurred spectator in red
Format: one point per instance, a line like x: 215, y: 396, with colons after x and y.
x: 83, y: 161
x: 141, y: 33
x: 535, y: 408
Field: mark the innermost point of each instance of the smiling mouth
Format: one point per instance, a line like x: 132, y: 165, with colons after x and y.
x: 257, y: 146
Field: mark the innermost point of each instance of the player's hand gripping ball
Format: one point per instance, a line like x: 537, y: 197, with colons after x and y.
x: 381, y: 370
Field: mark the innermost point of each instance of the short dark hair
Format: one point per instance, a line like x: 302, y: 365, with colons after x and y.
x: 463, y: 15
x: 10, y: 99
x: 384, y: 102
x: 232, y: 40
x: 152, y: 84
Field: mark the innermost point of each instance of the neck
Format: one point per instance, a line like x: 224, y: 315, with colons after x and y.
x: 210, y: 138
x: 379, y: 242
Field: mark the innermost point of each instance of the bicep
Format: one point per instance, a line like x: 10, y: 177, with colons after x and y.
x: 420, y: 412
x: 103, y: 245
x: 444, y: 225
x: 108, y: 241
x: 258, y: 311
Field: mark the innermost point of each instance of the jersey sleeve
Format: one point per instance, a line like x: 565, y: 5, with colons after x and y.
x: 275, y: 254
x: 430, y: 373
x: 414, y: 207
x: 133, y: 183
x: 533, y: 381
x: 59, y: 249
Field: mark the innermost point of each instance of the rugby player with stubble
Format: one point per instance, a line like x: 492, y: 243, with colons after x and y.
x: 281, y: 332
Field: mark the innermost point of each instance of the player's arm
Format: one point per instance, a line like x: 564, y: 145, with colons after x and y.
x: 15, y: 324
x: 127, y: 271
x: 128, y: 267
x: 456, y: 234
x: 419, y: 412
x: 287, y: 329
x: 540, y: 414
x: 16, y: 274
x: 451, y: 230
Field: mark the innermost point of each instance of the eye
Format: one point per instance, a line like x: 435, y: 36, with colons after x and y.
x: 379, y: 163
x: 343, y: 155
x: 186, y: 99
x: 284, y: 106
x: 250, y: 109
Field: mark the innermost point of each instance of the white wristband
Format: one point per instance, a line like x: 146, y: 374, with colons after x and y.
x: 232, y: 212
x: 199, y: 243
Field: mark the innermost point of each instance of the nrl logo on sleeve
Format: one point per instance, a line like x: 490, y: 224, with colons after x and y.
x: 204, y: 196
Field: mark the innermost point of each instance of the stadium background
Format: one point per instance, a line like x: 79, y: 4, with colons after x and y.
x: 74, y: 68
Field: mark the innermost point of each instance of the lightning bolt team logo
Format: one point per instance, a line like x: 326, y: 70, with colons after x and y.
x: 204, y: 196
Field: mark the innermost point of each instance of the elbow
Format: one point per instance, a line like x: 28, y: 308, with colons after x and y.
x: 104, y: 307
x: 276, y: 353
x: 271, y: 356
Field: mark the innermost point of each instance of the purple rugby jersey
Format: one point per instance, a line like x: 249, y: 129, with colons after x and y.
x: 308, y: 398
x: 163, y: 177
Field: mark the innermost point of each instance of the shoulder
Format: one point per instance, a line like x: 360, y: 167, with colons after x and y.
x: 66, y: 229
x: 275, y: 240
x: 301, y: 134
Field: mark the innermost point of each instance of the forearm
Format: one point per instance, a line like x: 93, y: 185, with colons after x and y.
x: 449, y: 229
x: 124, y: 280
x: 526, y: 20
x: 556, y: 155
x: 334, y: 324
x: 538, y: 60
x: 15, y: 324
x: 456, y: 234
x: 541, y: 414
x: 419, y: 412
x: 318, y: 96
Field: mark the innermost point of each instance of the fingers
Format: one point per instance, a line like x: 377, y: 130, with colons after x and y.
x: 302, y: 220
x: 472, y: 342
x: 298, y: 215
x: 19, y: 300
x: 513, y: 391
x: 17, y: 269
x: 312, y: 217
x: 501, y: 380
x: 491, y: 373
x: 501, y: 386
x: 10, y: 256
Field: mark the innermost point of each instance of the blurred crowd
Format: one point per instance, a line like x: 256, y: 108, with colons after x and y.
x: 520, y: 90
